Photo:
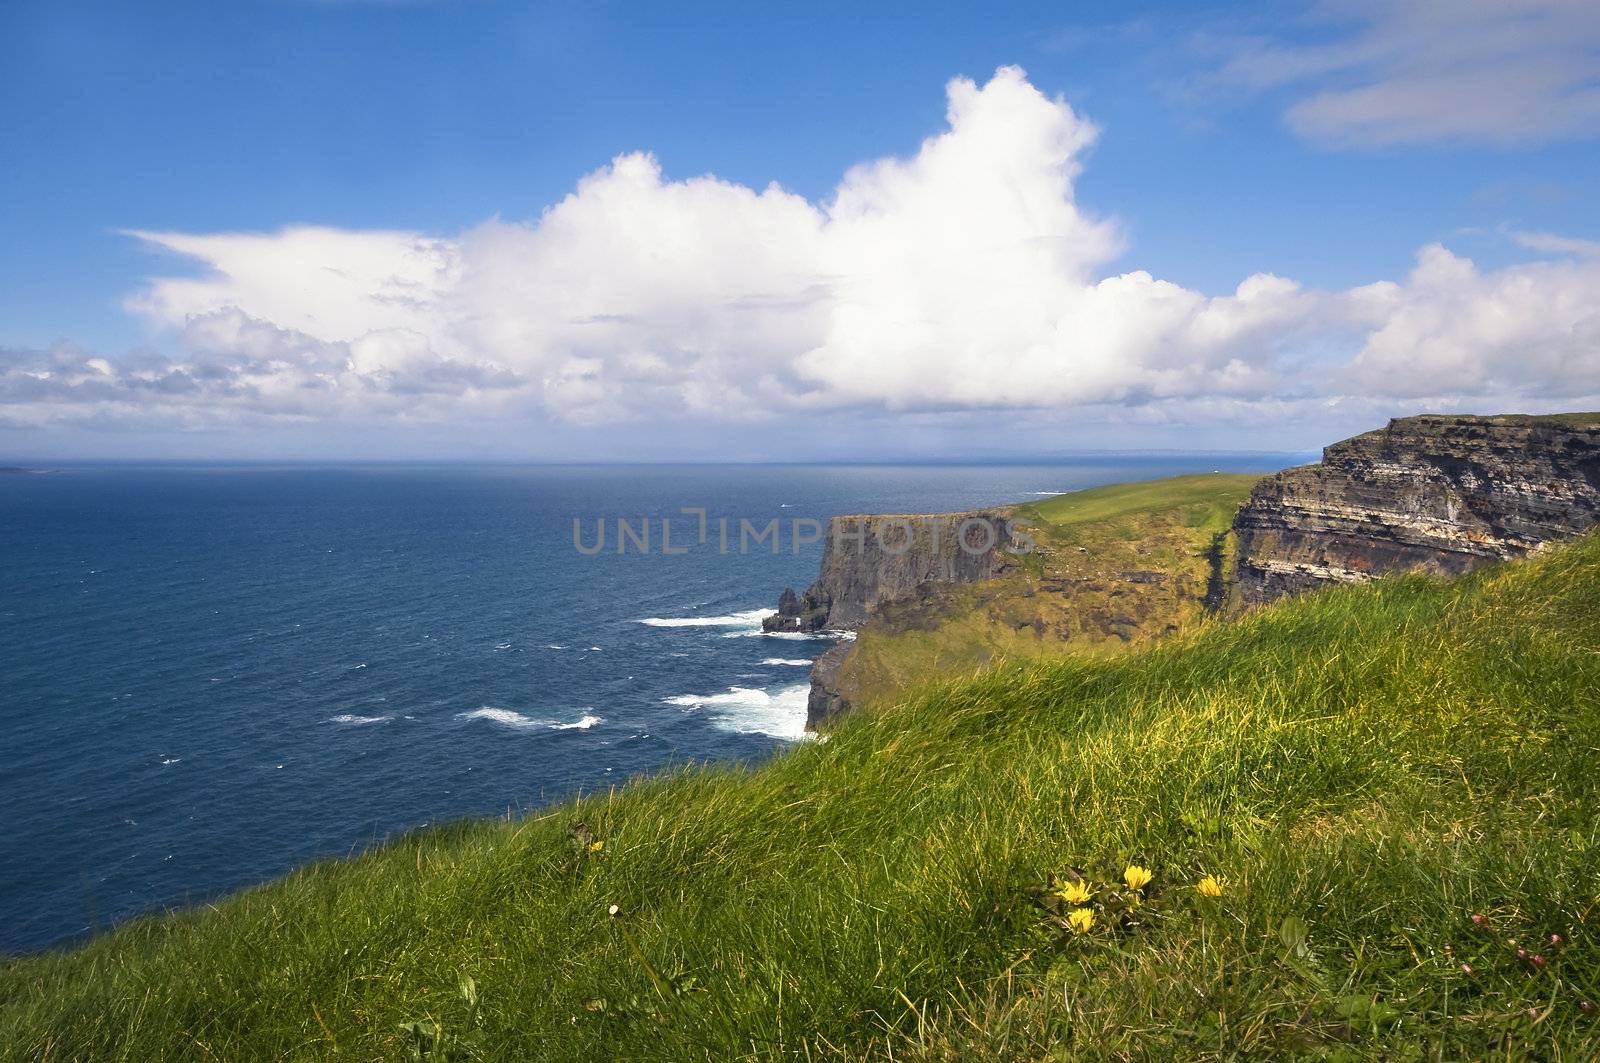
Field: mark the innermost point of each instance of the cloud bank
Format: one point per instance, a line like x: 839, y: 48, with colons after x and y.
x: 964, y: 277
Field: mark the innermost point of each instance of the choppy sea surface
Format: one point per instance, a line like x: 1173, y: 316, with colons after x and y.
x: 210, y: 674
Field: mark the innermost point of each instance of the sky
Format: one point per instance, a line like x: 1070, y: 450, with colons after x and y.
x: 306, y: 229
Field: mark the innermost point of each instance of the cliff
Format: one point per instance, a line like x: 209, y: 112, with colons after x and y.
x: 876, y: 558
x: 1117, y: 566
x: 1442, y: 494
x: 871, y: 559
x: 1095, y: 571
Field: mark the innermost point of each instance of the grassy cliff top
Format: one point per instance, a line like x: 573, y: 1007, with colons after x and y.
x: 1367, y: 768
x: 1569, y: 420
x: 1210, y: 498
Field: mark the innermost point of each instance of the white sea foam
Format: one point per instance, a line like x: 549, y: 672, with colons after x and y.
x: 503, y: 646
x: 746, y: 710
x: 798, y: 662
x: 748, y: 618
x: 350, y: 718
x: 794, y: 636
x: 553, y: 646
x: 516, y: 720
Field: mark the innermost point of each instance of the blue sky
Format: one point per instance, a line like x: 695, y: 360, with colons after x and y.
x: 1327, y: 146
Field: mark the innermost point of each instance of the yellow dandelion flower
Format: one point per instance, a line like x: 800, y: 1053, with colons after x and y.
x: 1210, y: 886
x: 1077, y: 891
x: 1081, y: 920
x: 596, y: 845
x: 1137, y: 877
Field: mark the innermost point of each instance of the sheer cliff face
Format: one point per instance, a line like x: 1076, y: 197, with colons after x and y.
x: 1436, y: 493
x: 872, y: 559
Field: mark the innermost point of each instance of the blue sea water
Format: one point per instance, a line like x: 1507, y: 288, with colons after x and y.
x: 210, y: 674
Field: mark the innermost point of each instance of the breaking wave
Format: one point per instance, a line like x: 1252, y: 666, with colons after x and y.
x: 796, y: 636
x: 748, y: 618
x: 516, y: 720
x: 747, y: 710
x: 350, y: 718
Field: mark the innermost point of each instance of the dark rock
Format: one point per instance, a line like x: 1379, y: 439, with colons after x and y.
x: 803, y: 613
x: 825, y: 703
x: 873, y: 561
x: 1442, y: 494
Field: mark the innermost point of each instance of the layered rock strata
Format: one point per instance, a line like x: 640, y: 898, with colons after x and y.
x: 1441, y: 494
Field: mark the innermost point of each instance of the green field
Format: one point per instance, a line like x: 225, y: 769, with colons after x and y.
x: 1368, y: 768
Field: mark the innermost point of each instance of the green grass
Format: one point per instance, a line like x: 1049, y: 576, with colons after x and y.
x: 1211, y: 497
x: 1367, y: 766
x: 1569, y: 420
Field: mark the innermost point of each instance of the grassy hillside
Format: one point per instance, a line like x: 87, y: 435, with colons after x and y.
x: 1368, y: 769
x: 1116, y: 567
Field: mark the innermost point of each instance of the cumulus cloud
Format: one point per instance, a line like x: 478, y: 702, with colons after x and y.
x: 965, y: 276
x: 1532, y: 329
x: 1380, y: 72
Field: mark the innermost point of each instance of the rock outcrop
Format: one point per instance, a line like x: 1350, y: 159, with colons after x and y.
x: 826, y: 701
x: 1442, y: 494
x: 871, y: 559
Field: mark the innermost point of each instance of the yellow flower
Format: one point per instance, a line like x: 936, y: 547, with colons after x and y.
x: 1081, y: 920
x: 596, y: 845
x: 1077, y: 891
x: 1137, y: 877
x: 1210, y: 886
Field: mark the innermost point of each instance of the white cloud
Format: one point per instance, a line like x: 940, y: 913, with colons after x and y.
x: 335, y: 284
x: 1554, y: 244
x: 1531, y: 329
x: 1408, y: 71
x: 963, y: 277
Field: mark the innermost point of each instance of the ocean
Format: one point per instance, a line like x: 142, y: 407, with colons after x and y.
x: 210, y: 674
